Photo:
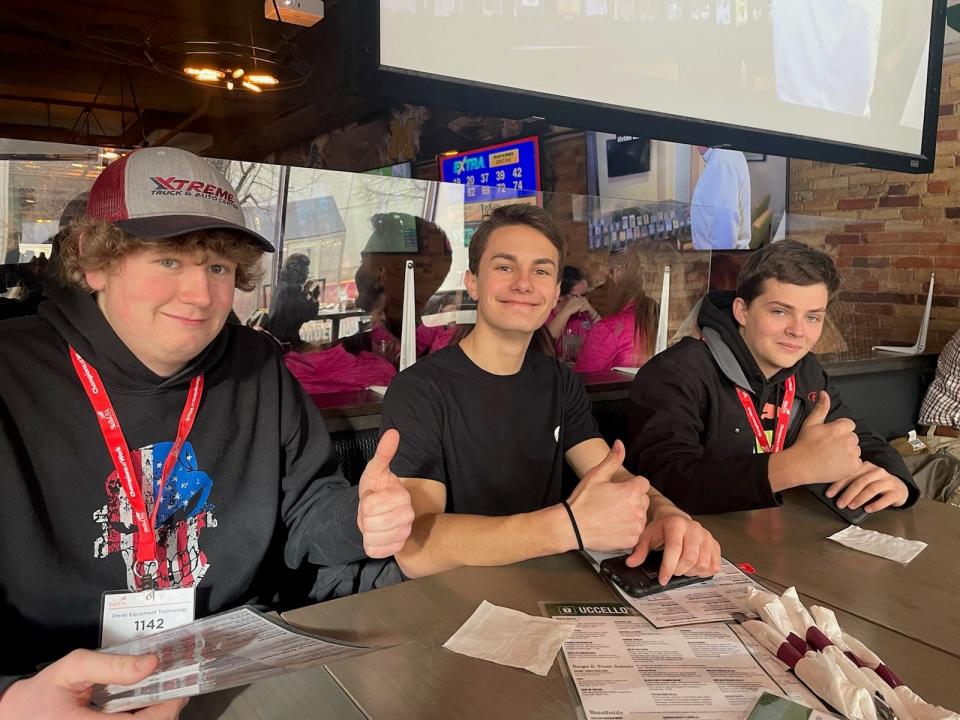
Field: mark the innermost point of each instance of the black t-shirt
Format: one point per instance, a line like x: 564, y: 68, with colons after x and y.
x: 495, y: 441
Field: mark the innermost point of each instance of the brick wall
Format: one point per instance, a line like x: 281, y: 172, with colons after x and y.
x: 887, y: 232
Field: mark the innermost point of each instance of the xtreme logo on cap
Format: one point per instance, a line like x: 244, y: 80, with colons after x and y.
x: 178, y: 186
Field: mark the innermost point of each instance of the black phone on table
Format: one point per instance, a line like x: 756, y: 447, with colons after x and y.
x: 854, y: 517
x: 642, y: 580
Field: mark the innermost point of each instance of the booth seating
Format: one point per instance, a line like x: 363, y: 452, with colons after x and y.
x: 885, y: 392
x: 889, y: 400
x: 354, y: 448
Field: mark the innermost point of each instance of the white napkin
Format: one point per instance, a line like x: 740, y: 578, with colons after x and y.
x: 923, y: 710
x: 827, y: 622
x: 510, y: 637
x: 378, y: 389
x: 628, y: 370
x: 821, y: 674
x: 799, y: 616
x: 891, y: 547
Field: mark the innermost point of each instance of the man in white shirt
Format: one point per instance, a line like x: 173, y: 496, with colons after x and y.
x: 720, y: 216
x: 825, y: 53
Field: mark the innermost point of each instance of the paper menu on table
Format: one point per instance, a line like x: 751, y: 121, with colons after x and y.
x: 713, y: 600
x: 623, y: 668
x: 218, y: 652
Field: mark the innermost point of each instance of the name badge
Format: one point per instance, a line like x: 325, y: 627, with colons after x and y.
x: 125, y: 616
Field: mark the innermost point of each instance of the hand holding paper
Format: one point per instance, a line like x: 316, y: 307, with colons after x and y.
x: 62, y: 690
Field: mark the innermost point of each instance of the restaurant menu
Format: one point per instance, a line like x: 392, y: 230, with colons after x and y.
x: 714, y: 600
x: 218, y: 652
x: 625, y: 669
x: 588, y: 643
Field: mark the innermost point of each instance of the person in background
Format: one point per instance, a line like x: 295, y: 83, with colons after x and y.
x: 27, y: 296
x: 292, y: 304
x: 728, y: 422
x: 720, y: 209
x: 625, y: 338
x: 573, y: 315
x: 486, y: 426
x: 134, y: 335
x: 939, y: 420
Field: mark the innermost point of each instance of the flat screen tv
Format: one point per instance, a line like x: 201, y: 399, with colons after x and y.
x: 502, y: 171
x: 849, y: 81
x: 627, y: 155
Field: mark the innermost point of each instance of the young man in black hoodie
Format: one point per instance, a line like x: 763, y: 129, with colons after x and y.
x: 132, y: 352
x: 729, y: 422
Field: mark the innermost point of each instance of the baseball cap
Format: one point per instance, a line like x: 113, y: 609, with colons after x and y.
x: 162, y: 192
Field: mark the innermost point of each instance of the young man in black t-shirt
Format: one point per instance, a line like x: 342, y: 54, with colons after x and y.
x: 486, y: 425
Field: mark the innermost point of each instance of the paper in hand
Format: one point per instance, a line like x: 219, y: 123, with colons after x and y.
x: 220, y: 651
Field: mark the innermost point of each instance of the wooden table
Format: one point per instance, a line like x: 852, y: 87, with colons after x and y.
x: 787, y: 546
x: 416, y: 678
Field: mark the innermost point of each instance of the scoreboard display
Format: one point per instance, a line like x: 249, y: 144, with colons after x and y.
x: 497, y: 172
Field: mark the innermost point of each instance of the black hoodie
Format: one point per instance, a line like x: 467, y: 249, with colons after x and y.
x: 689, y: 433
x: 260, y: 489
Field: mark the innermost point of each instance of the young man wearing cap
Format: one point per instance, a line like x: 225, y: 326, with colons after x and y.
x: 486, y: 425
x: 145, y: 442
x: 729, y: 422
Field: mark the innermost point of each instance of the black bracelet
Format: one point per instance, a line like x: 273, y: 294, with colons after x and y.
x: 573, y: 521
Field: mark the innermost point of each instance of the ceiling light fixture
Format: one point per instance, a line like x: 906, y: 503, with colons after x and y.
x: 217, y: 63
x: 262, y: 79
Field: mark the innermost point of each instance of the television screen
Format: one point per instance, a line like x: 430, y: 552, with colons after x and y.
x: 400, y: 170
x: 627, y: 155
x: 840, y: 80
x: 495, y: 172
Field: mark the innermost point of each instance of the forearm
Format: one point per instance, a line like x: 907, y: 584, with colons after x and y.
x: 445, y: 541
x: 787, y: 469
x: 324, y: 529
x: 557, y: 325
x: 662, y: 506
x: 5, y: 682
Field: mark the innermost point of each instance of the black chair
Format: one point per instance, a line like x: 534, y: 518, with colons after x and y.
x: 354, y: 448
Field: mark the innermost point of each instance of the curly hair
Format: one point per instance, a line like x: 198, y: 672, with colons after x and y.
x: 104, y: 244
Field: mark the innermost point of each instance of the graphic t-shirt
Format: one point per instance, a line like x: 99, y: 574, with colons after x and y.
x: 495, y: 441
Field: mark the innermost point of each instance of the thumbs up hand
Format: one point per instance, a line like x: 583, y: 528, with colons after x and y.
x: 385, y: 514
x: 820, y: 411
x: 823, y: 452
x: 610, y: 513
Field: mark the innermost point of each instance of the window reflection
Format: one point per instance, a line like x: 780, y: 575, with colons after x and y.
x: 333, y: 294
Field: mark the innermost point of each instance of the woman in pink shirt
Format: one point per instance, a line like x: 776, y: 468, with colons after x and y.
x: 624, y: 338
x: 573, y: 314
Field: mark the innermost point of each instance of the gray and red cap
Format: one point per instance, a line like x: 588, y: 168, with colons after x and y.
x: 158, y: 193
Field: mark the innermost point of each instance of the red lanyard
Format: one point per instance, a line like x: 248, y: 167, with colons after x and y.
x: 146, y: 546
x: 783, y: 416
